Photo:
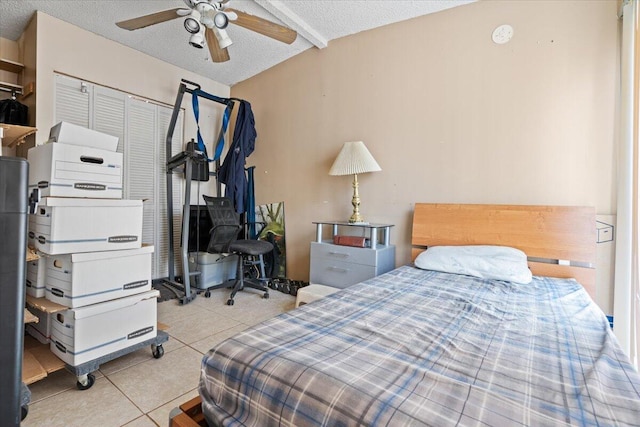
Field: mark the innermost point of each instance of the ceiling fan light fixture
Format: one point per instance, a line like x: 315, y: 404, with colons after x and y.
x: 191, y: 25
x: 224, y: 41
x: 197, y: 40
x: 220, y: 20
x: 191, y: 3
x: 192, y: 22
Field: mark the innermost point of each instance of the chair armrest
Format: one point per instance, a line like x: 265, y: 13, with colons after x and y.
x: 221, y: 236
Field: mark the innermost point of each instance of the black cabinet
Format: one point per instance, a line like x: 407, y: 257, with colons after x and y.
x: 14, y: 204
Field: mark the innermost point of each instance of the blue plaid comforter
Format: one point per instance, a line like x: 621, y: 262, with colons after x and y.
x: 415, y: 347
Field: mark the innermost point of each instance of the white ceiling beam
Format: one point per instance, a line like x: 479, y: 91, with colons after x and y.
x: 278, y: 9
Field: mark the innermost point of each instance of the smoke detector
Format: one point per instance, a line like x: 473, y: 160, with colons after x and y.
x: 502, y: 34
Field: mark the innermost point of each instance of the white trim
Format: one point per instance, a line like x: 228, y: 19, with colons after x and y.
x: 624, y: 262
x: 278, y: 9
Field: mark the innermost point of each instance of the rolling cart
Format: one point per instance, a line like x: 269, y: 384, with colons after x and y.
x: 84, y: 374
x: 84, y: 371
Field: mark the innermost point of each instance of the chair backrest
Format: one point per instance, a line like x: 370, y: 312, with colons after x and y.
x: 225, y: 223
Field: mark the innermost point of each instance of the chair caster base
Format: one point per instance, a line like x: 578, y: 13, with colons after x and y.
x: 230, y: 301
x: 266, y: 295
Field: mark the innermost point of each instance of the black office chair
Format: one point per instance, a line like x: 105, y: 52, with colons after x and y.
x: 224, y: 239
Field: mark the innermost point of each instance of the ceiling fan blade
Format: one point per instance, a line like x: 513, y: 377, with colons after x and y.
x: 146, y: 20
x: 217, y: 54
x: 264, y: 27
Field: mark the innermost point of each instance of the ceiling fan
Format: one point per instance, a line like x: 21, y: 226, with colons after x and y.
x: 207, y: 20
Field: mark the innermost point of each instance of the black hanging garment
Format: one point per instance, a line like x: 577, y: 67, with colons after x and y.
x: 231, y: 172
x: 13, y: 113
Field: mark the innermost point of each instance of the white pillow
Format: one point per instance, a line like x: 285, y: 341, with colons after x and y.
x: 488, y: 262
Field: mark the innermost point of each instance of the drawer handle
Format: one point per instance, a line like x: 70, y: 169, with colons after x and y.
x: 340, y: 254
x: 338, y: 269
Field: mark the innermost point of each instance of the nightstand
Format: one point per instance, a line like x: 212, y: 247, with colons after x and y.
x: 341, y: 266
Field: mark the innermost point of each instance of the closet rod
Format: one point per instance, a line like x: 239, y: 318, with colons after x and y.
x: 17, y: 91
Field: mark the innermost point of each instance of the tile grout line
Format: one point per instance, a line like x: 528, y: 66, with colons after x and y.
x: 128, y: 398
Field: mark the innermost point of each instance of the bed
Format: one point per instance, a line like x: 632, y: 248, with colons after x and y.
x: 424, y: 347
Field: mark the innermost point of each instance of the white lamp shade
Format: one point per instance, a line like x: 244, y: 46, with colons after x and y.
x: 354, y: 158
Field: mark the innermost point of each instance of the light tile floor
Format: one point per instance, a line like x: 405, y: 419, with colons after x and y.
x: 137, y: 390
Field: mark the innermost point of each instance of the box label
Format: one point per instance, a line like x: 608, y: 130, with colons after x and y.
x: 140, y: 332
x: 89, y: 186
x: 134, y: 285
x: 122, y: 239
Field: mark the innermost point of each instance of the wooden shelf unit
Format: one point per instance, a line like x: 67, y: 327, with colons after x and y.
x: 12, y: 67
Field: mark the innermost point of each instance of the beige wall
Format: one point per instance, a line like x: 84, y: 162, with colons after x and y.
x: 449, y: 115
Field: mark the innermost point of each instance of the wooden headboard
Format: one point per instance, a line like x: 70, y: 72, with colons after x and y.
x: 560, y: 239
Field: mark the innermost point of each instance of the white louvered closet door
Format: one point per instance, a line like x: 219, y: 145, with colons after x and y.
x: 141, y: 163
x: 72, y: 101
x: 141, y: 127
x: 146, y: 178
x: 109, y: 112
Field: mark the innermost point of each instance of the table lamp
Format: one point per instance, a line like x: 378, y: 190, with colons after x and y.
x: 354, y: 158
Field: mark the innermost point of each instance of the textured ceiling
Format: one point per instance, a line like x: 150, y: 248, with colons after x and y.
x: 317, y: 22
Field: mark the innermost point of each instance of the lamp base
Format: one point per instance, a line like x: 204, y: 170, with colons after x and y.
x: 355, y: 202
x: 357, y: 219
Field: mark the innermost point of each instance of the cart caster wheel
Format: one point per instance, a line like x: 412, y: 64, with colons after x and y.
x: 230, y: 302
x: 24, y: 412
x: 157, y: 351
x: 207, y: 294
x: 85, y: 383
x: 266, y: 295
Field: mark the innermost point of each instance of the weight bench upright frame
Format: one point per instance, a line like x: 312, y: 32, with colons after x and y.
x: 183, y: 162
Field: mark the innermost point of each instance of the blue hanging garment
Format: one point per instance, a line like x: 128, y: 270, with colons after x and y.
x: 251, y: 203
x: 231, y: 172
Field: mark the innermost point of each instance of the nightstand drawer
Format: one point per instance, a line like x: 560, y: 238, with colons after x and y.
x: 349, y: 254
x: 341, y: 266
x: 339, y: 274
